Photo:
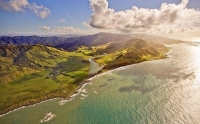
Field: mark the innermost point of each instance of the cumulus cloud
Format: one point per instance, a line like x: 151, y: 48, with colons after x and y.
x: 44, y: 27
x: 22, y: 5
x: 168, y: 18
x: 62, y: 20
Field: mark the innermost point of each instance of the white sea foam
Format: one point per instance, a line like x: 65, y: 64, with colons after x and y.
x: 80, y: 90
x: 49, y: 116
x: 84, y: 91
x: 83, y: 95
x: 95, y: 92
x: 63, y: 101
x: 27, y: 106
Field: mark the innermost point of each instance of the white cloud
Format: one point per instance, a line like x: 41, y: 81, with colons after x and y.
x: 168, y: 18
x: 59, y: 30
x: 17, y: 33
x: 86, y: 24
x: 22, y: 5
x: 62, y: 20
x: 44, y: 27
x: 40, y: 11
x: 14, y: 5
x: 66, y: 30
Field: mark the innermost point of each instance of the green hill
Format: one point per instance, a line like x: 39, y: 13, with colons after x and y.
x: 30, y: 74
x: 116, y: 54
x: 134, y: 51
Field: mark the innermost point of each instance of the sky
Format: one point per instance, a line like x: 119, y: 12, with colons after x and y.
x: 178, y: 19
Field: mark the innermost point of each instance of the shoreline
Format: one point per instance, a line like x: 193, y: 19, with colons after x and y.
x: 74, y: 94
x: 28, y: 106
x: 82, y: 84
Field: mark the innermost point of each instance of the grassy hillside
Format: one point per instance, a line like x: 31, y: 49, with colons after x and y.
x: 116, y: 54
x: 30, y: 74
x: 93, y: 40
x: 133, y: 52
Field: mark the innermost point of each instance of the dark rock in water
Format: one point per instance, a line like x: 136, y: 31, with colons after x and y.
x: 103, y: 85
x: 141, y: 89
x: 111, y: 79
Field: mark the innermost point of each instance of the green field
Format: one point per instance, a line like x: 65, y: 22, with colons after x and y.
x: 41, y: 73
x: 30, y: 74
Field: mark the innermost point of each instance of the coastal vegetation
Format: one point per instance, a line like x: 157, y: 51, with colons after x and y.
x: 137, y: 51
x: 33, y: 73
x: 38, y: 73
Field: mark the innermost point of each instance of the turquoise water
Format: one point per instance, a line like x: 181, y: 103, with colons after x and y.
x: 156, y: 92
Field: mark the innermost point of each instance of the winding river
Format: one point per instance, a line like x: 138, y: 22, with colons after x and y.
x: 162, y: 91
x: 94, y: 67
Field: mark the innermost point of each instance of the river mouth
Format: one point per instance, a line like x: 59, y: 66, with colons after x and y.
x: 94, y: 67
x: 161, y: 91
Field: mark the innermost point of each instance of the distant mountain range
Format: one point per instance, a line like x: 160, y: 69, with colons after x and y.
x: 72, y: 43
x: 32, y: 40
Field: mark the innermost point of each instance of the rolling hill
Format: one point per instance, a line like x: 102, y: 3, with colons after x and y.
x: 116, y: 54
x: 31, y: 72
x: 93, y: 40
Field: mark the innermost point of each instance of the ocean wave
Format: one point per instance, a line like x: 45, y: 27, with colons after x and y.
x: 80, y: 90
x: 48, y: 117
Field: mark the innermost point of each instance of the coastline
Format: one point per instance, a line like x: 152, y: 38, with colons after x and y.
x: 27, y: 106
x: 81, y: 85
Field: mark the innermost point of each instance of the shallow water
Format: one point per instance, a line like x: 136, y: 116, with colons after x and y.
x: 94, y: 67
x: 161, y: 91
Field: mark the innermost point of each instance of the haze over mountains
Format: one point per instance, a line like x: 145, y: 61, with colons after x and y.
x: 88, y: 40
